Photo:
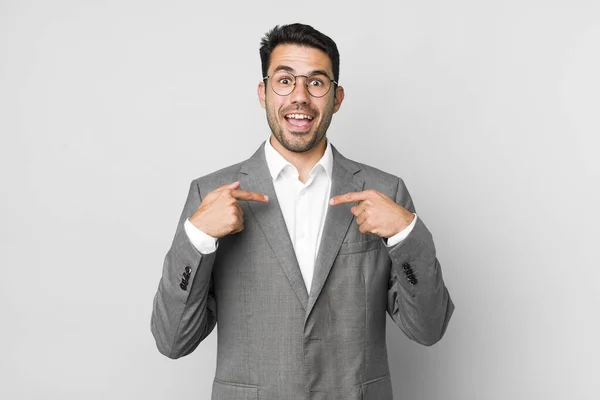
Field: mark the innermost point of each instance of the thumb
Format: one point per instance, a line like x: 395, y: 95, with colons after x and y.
x: 234, y: 185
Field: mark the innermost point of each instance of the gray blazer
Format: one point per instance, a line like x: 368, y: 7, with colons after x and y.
x: 276, y: 341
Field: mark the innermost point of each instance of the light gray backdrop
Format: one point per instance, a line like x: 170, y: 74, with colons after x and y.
x: 488, y: 110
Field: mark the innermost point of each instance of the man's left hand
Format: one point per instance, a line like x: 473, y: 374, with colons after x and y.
x: 376, y: 213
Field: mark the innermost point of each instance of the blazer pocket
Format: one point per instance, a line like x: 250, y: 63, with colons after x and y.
x: 377, y: 389
x: 233, y: 391
x: 360, y: 247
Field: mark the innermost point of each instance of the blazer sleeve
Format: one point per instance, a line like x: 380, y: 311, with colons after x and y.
x: 184, y: 311
x: 418, y: 300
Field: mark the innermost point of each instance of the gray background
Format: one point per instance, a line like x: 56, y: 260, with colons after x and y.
x: 488, y: 110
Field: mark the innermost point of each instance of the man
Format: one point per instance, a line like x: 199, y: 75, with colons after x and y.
x: 299, y: 284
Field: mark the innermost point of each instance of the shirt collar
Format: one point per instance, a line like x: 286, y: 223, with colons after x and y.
x: 277, y: 163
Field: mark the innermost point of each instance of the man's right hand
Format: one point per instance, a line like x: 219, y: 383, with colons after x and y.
x: 220, y: 214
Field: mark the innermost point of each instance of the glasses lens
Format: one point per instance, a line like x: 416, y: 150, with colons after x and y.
x: 318, y: 85
x: 283, y: 84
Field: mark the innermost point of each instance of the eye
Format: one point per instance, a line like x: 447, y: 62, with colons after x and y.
x: 284, y: 80
x: 316, y: 82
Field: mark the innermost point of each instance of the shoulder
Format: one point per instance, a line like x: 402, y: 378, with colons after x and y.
x: 227, y: 174
x: 382, y: 181
x: 375, y: 175
x: 218, y: 178
x: 374, y: 178
x: 391, y: 185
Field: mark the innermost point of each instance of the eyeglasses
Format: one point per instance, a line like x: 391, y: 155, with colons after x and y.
x: 283, y: 83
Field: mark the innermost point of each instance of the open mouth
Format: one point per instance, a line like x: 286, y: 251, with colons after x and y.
x: 299, y: 121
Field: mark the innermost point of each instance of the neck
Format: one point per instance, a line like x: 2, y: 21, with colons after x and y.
x: 305, y: 161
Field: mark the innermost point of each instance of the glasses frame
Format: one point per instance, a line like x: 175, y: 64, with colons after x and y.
x: 305, y: 84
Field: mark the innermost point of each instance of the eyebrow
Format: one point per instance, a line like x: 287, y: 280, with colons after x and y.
x: 292, y: 70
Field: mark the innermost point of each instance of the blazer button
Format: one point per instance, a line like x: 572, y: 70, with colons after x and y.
x: 406, y: 266
x: 183, y: 286
x: 188, y: 270
x: 186, y: 275
x: 413, y: 281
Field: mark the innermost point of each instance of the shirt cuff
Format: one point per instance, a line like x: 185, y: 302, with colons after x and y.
x: 204, y: 243
x: 400, y: 236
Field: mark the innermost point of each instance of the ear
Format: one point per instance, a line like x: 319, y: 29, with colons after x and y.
x: 261, y: 94
x: 339, y: 97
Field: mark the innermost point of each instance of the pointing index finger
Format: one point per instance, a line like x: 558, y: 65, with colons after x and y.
x: 249, y: 196
x: 233, y: 185
x: 349, y: 197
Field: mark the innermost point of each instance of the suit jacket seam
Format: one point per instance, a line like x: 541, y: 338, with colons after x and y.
x: 365, y: 336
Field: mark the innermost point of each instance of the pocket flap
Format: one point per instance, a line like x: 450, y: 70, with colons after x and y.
x: 233, y: 391
x: 360, y: 247
x: 377, y: 389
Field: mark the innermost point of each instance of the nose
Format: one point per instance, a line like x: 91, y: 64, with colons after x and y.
x: 300, y: 93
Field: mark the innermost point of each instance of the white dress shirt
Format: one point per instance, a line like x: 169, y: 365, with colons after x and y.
x: 304, y: 208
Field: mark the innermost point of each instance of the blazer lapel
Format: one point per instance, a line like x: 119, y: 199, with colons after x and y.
x: 337, y: 221
x: 256, y: 177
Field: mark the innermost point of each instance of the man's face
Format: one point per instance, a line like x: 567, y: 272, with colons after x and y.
x: 299, y: 121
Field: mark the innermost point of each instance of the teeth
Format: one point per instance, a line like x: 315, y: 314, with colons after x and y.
x: 299, y: 116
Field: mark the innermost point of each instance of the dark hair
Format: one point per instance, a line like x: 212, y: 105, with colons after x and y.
x: 303, y: 35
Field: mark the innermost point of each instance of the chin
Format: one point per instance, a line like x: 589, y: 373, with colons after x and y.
x: 299, y: 142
